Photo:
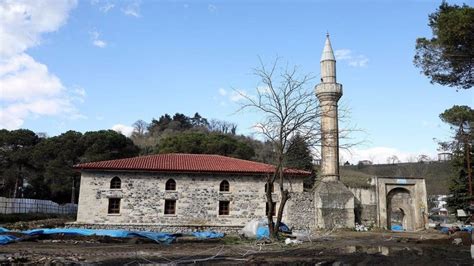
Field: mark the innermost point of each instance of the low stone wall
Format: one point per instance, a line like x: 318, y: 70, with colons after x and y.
x: 300, y: 212
x: 159, y: 228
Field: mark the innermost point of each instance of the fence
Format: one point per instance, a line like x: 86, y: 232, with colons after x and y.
x: 15, y: 205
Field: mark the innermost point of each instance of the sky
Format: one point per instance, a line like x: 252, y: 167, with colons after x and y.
x: 100, y: 64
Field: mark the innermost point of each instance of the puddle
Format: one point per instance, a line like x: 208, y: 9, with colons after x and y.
x: 383, y: 250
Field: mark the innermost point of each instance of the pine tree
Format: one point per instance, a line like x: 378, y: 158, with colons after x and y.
x: 461, y: 119
x: 298, y: 156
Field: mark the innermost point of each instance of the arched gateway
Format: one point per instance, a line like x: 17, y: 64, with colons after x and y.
x: 402, y: 202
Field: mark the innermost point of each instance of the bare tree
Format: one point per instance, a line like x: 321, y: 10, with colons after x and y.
x: 393, y: 159
x: 423, y: 158
x: 222, y: 126
x: 289, y: 107
x: 140, y: 128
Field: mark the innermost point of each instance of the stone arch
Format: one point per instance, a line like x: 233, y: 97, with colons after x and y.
x: 400, y: 208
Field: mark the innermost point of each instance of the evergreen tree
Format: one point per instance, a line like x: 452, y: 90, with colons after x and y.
x: 298, y: 156
x: 461, y: 119
x: 447, y: 58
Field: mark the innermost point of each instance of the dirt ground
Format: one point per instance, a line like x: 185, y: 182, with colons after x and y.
x: 339, y: 248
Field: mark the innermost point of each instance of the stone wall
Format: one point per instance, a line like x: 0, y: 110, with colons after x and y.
x: 197, y: 198
x: 334, y: 206
x: 300, y: 211
x: 365, y: 205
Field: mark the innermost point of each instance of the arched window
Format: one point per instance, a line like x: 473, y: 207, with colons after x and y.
x: 115, y: 183
x: 170, y: 184
x: 224, y: 186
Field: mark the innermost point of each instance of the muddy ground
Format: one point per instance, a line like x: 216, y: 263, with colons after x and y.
x: 338, y: 248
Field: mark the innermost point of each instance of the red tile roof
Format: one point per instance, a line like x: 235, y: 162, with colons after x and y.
x: 194, y: 163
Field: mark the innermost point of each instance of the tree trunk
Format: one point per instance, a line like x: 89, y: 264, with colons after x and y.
x: 18, y: 183
x: 268, y: 193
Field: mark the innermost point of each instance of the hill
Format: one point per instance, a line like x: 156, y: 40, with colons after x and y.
x: 437, y: 174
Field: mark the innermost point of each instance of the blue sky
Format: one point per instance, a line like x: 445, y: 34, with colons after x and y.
x: 101, y: 64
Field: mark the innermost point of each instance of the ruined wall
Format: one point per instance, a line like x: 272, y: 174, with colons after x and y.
x: 197, y: 200
x: 365, y: 205
x: 334, y: 205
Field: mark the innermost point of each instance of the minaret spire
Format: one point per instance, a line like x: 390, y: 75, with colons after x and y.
x: 328, y: 63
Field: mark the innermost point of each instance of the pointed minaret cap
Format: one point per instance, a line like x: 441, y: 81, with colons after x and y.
x: 328, y: 54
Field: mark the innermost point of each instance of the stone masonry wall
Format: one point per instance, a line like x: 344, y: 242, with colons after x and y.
x: 365, y: 205
x: 300, y: 211
x: 197, y: 198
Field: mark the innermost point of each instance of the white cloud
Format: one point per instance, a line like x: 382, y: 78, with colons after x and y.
x: 96, y: 41
x: 27, y: 88
x: 22, y: 78
x: 99, y: 43
x: 222, y: 92
x: 212, y: 8
x: 352, y: 59
x: 106, y: 7
x: 233, y: 96
x: 379, y: 155
x: 23, y: 22
x: 123, y: 129
x: 132, y: 9
x: 238, y: 95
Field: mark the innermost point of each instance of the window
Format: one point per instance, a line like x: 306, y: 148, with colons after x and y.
x: 114, y: 206
x: 273, y: 211
x: 115, y: 183
x: 223, y: 207
x: 170, y: 206
x: 170, y: 185
x: 224, y: 186
x: 272, y: 188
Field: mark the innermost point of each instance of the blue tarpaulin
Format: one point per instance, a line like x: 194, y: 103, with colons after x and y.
x: 158, y: 237
x: 466, y: 228
x: 397, y: 227
x: 207, y: 235
x: 262, y: 232
x: 5, y: 239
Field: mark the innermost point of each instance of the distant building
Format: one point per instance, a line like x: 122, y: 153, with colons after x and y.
x: 365, y: 162
x: 445, y: 156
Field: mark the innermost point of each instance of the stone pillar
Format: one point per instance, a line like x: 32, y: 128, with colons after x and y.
x: 334, y: 202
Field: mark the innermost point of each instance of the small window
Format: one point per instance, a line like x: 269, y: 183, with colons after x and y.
x: 272, y: 188
x: 114, y: 205
x: 115, y: 183
x: 170, y: 184
x: 273, y: 211
x: 224, y: 186
x: 223, y: 207
x: 170, y: 206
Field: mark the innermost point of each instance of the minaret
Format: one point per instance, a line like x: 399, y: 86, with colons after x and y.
x: 329, y: 92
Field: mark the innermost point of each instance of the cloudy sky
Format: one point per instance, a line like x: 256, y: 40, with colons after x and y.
x: 99, y: 64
